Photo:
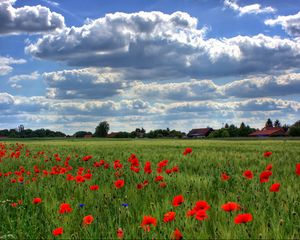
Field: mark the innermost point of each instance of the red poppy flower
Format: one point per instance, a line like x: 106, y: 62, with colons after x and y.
x: 120, y: 233
x: 178, y: 200
x: 79, y: 179
x: 94, y: 187
x: 191, y: 212
x: 201, y: 205
x: 177, y: 235
x: 147, y: 221
x: 163, y: 184
x: 275, y: 187
x: 201, y: 215
x: 187, y: 151
x: 139, y: 186
x: 14, y: 204
x: 117, y: 164
x: 159, y: 178
x: 36, y: 200
x: 267, y: 154
x: 58, y: 231
x: 175, y: 169
x: 86, y: 158
x: 225, y: 177
x: 119, y: 183
x: 264, y: 176
x: 87, y: 220
x: 298, y: 168
x: 65, y: 208
x: 147, y: 168
x: 269, y: 167
x: 248, y: 174
x: 230, y: 206
x: 243, y: 218
x: 163, y: 163
x: 169, y: 216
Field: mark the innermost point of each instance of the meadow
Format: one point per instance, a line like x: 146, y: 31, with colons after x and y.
x: 78, y: 189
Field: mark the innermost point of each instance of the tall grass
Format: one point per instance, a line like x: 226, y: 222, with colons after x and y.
x: 275, y: 215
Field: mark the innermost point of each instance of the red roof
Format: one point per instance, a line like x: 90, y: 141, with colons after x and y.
x: 268, y: 131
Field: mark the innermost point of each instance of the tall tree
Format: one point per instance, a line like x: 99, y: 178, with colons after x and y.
x: 277, y: 123
x: 102, y: 129
x: 269, y: 123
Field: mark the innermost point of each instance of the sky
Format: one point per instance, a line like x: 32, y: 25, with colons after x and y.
x: 68, y: 65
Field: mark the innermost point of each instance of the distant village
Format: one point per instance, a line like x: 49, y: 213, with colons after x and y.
x: 102, y: 130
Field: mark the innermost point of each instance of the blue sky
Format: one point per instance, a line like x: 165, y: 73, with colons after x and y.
x: 181, y: 64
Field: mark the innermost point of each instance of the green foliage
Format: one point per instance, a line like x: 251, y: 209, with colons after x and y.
x: 295, y: 129
x: 81, y: 134
x: 28, y: 133
x: 102, y: 129
x: 269, y: 123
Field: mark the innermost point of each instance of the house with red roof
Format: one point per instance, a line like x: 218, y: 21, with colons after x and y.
x: 269, y: 132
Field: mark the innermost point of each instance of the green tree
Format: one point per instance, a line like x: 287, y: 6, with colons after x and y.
x: 277, y: 123
x: 269, y: 123
x: 295, y: 129
x: 102, y: 129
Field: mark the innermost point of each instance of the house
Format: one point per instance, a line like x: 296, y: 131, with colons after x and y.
x: 269, y: 132
x: 112, y: 134
x: 88, y: 136
x: 199, y: 132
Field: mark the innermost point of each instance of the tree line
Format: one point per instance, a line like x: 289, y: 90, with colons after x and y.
x: 103, y: 128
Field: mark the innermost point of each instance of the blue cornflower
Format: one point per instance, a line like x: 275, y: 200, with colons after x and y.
x: 125, y: 204
x: 81, y: 205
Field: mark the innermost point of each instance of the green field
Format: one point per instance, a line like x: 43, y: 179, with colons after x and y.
x: 275, y: 214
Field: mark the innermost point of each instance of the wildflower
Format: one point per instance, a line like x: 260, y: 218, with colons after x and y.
x: 187, y: 151
x: 201, y: 215
x: 225, y: 177
x: 163, y: 184
x: 275, y: 187
x: 65, y: 208
x: 147, y: 168
x: 81, y: 205
x: 178, y: 200
x: 269, y: 167
x: 147, y: 221
x: 58, y: 231
x: 248, y: 174
x: 119, y: 183
x: 36, y: 200
x: 139, y: 186
x: 243, y: 218
x: 264, y: 176
x: 159, y: 178
x: 169, y: 216
x: 86, y: 158
x: 94, y: 187
x: 124, y: 204
x: 87, y: 220
x: 230, y: 206
x: 201, y: 205
x: 177, y: 235
x: 298, y: 169
x: 267, y: 154
x: 14, y: 204
x: 120, y: 233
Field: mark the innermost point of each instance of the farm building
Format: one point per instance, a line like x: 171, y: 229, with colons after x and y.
x: 112, y: 134
x: 199, y: 132
x: 88, y: 136
x: 268, y: 132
